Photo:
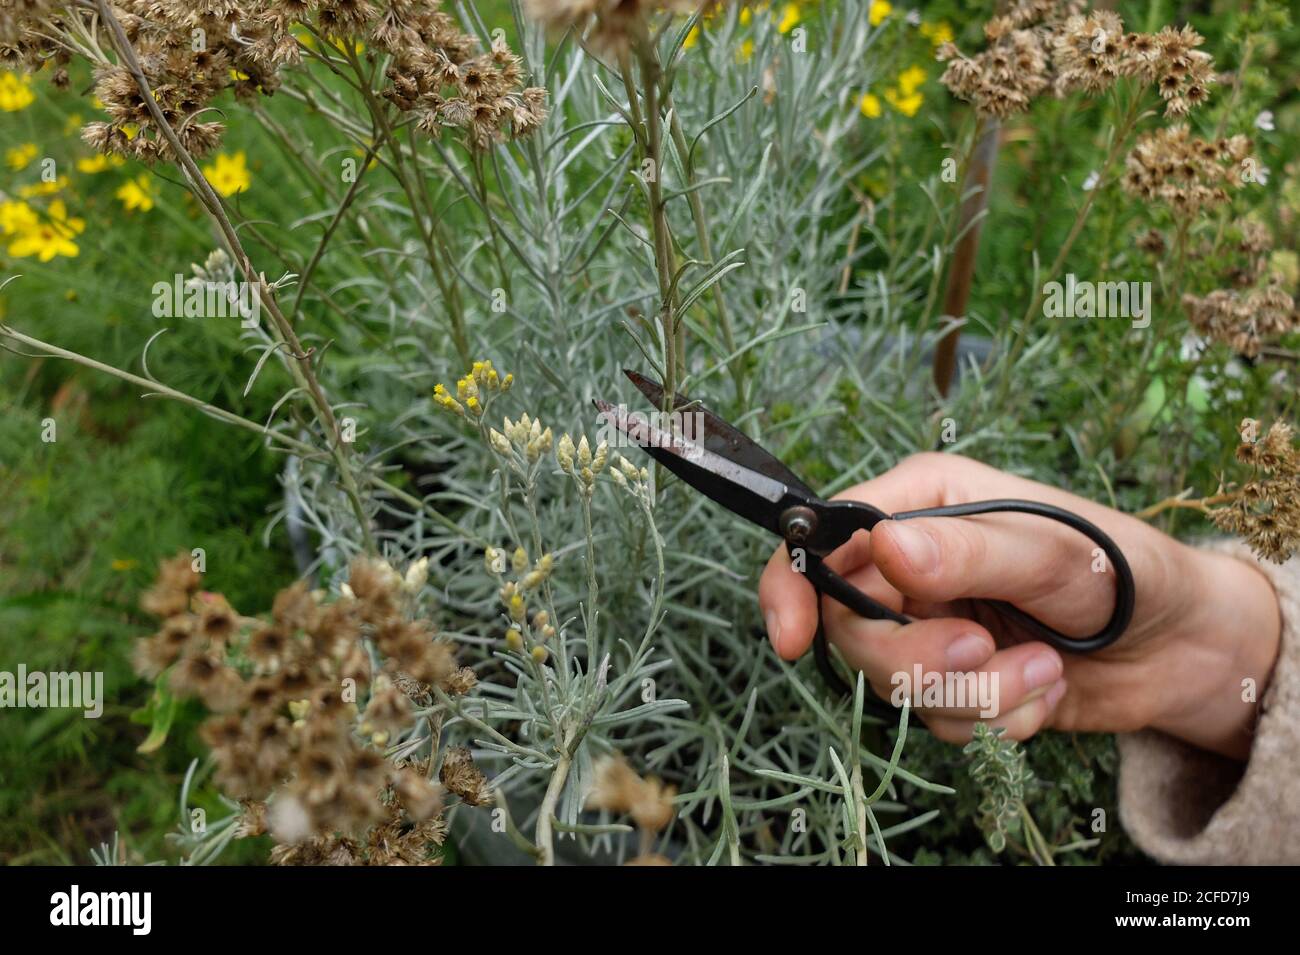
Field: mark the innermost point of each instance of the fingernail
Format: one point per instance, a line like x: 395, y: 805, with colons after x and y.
x: 919, y: 549
x: 773, y: 629
x: 1041, y: 671
x: 968, y: 652
x: 1054, y: 694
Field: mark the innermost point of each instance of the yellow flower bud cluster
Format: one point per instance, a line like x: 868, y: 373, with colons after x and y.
x: 525, y: 436
x: 580, y: 462
x: 473, y: 391
x: 628, y: 475
x: 514, y: 594
x: 537, y: 576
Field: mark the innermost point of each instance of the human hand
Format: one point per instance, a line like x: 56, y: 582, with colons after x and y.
x: 1203, y: 621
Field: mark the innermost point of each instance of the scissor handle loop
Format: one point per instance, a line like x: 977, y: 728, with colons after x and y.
x: 864, y: 516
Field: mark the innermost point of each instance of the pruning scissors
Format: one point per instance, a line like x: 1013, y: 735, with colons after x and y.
x: 729, y: 468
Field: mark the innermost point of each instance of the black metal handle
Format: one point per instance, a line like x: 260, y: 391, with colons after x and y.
x: 826, y: 581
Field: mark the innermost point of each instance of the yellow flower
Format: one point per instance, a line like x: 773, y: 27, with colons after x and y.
x: 98, y: 163
x: 44, y: 188
x: 20, y: 157
x: 910, y: 80
x: 229, y: 174
x: 52, y: 237
x: 15, y: 91
x: 136, y: 194
x: 309, y: 41
x: 124, y: 563
x: 904, y: 97
x: 789, y: 18
x: 746, y: 52
x: 445, y: 400
x: 910, y: 105
x: 906, y: 103
x: 692, y: 37
x: 58, y: 212
x: 879, y: 10
x: 72, y: 124
x: 937, y: 33
x: 17, y: 216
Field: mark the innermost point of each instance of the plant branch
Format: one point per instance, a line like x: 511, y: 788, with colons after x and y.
x: 546, y: 812
x: 299, y: 361
x: 1182, y: 501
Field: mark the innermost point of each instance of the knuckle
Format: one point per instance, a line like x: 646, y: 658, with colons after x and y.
x: 925, y: 460
x: 963, y: 544
x: 1024, y: 721
x: 1066, y: 714
x: 956, y: 732
x: 1065, y: 561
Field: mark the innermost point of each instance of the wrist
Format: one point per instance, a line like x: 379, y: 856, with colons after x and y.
x: 1219, y: 660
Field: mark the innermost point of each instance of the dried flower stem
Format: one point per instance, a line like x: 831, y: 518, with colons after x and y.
x: 299, y: 361
x: 480, y: 183
x: 1120, y: 137
x: 428, y: 228
x: 1280, y: 354
x: 1182, y: 501
x: 349, y: 197
x: 155, y: 387
x: 301, y: 448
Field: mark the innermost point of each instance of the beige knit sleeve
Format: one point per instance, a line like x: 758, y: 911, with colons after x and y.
x: 1186, y: 806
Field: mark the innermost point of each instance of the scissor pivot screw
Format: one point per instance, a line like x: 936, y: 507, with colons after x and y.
x: 797, y: 524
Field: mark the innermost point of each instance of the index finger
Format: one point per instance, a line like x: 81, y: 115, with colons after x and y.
x: 786, y: 598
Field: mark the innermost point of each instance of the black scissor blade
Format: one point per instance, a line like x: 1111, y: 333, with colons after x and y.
x: 722, y: 438
x: 749, y: 494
